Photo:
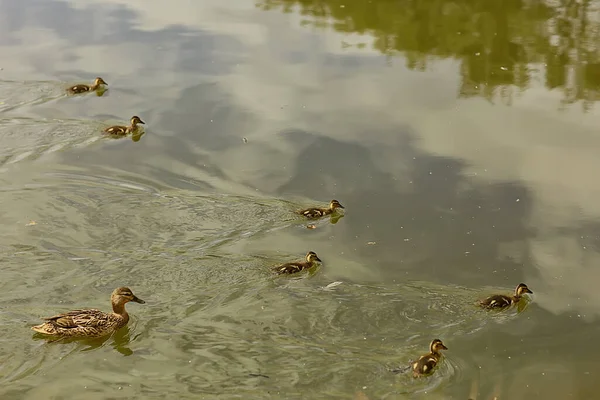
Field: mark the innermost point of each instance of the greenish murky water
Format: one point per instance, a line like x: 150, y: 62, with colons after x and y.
x: 462, y: 137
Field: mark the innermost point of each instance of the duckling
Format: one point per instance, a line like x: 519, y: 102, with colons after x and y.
x: 91, y: 323
x: 501, y: 301
x: 293, y: 267
x: 119, y: 130
x: 425, y: 364
x: 87, y: 88
x: 316, y: 212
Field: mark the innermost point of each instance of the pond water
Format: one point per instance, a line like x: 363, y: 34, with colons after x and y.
x: 462, y: 138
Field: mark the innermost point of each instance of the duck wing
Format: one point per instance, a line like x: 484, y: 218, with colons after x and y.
x: 290, y: 268
x: 78, y: 318
x: 79, y: 88
x: 116, y: 130
x: 313, y: 213
x: 425, y: 364
x: 496, y: 301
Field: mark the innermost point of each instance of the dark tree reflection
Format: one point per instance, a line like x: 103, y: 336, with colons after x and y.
x: 500, y: 45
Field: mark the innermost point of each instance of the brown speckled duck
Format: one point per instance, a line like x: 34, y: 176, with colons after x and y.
x: 293, y: 267
x: 316, y: 212
x: 501, y: 301
x: 91, y: 323
x: 425, y: 364
x: 98, y: 82
x: 119, y: 130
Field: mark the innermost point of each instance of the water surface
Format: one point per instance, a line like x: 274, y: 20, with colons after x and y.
x: 462, y: 138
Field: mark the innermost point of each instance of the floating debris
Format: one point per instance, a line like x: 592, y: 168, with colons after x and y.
x: 31, y: 223
x: 258, y: 376
x: 371, y: 243
x: 333, y: 284
x: 311, y: 226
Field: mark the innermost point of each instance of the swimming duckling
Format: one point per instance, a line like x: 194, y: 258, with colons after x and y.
x: 293, y: 267
x: 501, y: 301
x: 119, y: 130
x: 425, y: 364
x: 91, y: 323
x: 87, y: 88
x: 316, y: 212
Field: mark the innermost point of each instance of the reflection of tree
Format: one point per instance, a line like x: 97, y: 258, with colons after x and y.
x: 500, y: 44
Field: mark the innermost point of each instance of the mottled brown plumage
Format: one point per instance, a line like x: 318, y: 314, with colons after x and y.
x: 91, y: 322
x: 316, y: 212
x: 293, y: 267
x: 500, y: 301
x: 425, y: 364
x: 87, y: 88
x: 119, y: 130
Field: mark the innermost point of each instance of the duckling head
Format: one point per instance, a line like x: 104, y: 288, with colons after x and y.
x: 124, y: 295
x: 136, y: 120
x: 99, y: 81
x: 437, y: 345
x: 333, y: 204
x: 311, y: 256
x: 522, y: 289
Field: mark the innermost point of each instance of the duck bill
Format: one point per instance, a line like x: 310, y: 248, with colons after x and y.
x: 341, y: 206
x: 444, y: 347
x: 138, y: 300
x: 142, y: 122
x: 318, y: 259
x: 528, y: 291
